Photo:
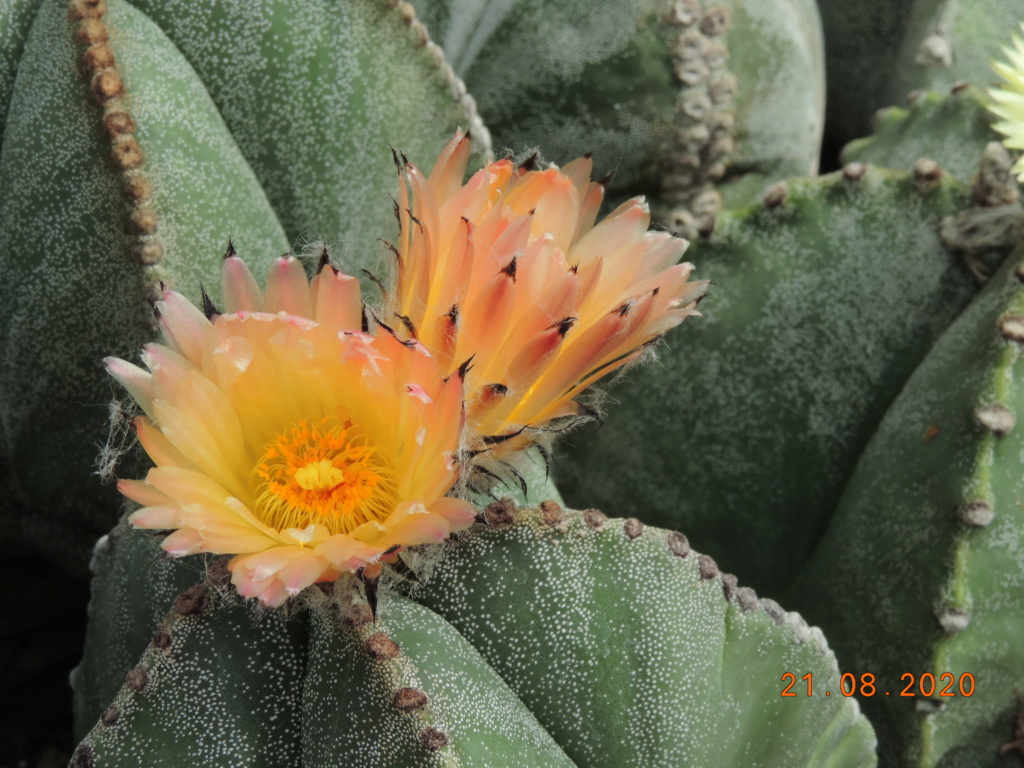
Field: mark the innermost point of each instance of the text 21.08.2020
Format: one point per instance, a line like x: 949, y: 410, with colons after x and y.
x: 925, y: 685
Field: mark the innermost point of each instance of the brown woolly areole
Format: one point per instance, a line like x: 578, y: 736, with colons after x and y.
x: 99, y: 66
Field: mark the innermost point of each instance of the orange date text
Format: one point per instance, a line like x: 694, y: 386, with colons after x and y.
x: 925, y: 685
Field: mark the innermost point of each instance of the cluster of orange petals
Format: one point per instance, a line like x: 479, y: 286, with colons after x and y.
x: 509, y: 271
x: 283, y: 435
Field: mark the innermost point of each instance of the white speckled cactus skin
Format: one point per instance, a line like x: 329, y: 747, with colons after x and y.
x: 543, y: 637
x: 839, y: 430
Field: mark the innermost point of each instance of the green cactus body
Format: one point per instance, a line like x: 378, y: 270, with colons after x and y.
x: 826, y: 297
x: 127, y: 163
x: 952, y: 129
x: 862, y: 43
x: 548, y: 638
x: 712, y: 104
x: 15, y: 20
x: 921, y: 569
x: 952, y: 42
x: 838, y: 428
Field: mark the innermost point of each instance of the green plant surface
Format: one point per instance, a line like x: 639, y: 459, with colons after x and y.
x: 64, y: 231
x: 314, y: 93
x: 953, y: 42
x: 216, y: 687
x: 862, y: 43
x: 950, y: 128
x: 776, y: 51
x: 632, y: 655
x: 15, y: 19
x: 112, y: 187
x: 578, y: 91
x: 349, y: 714
x: 921, y: 571
x: 745, y: 430
x: 133, y: 585
x: 546, y: 637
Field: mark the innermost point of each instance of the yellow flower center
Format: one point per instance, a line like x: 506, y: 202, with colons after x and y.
x: 322, y: 473
x: 319, y: 476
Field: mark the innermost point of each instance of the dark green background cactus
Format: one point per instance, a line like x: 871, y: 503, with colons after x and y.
x: 807, y: 432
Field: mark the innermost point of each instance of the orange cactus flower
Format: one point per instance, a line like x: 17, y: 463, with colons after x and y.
x: 509, y: 271
x: 285, y: 436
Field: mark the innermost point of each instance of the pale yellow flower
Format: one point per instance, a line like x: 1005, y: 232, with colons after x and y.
x: 285, y: 436
x: 1009, y: 100
x: 509, y: 272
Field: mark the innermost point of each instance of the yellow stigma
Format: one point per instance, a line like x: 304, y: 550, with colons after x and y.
x: 319, y: 476
x: 322, y: 473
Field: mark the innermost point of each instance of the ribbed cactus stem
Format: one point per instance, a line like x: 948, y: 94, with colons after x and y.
x: 98, y: 64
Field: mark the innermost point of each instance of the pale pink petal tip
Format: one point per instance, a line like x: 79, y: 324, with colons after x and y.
x: 156, y: 518
x: 137, y: 382
x: 183, y: 326
x: 182, y: 542
x: 276, y: 574
x: 288, y: 289
x: 241, y: 292
x: 460, y: 514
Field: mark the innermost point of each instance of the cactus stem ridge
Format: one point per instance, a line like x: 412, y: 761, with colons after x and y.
x: 552, y: 512
x: 381, y: 648
x: 729, y: 586
x: 84, y: 757
x: 192, y: 601
x: 678, y: 544
x: 953, y: 620
x: 111, y: 715
x: 704, y: 118
x: 633, y: 528
x: 776, y: 195
x: 433, y: 739
x: 358, y: 616
x: 996, y: 418
x: 747, y: 598
x: 976, y: 513
x: 217, y: 573
x: 500, y: 514
x: 99, y: 64
x: 854, y: 171
x: 161, y: 640
x: 927, y: 173
x: 708, y: 567
x: 1011, y: 328
x: 410, y: 699
x: 137, y: 679
x: 595, y: 519
x: 453, y: 83
x: 775, y: 611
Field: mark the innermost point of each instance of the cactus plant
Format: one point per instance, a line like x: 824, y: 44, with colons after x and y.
x: 947, y: 128
x: 638, y: 641
x: 777, y: 349
x: 943, y: 518
x: 837, y: 430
